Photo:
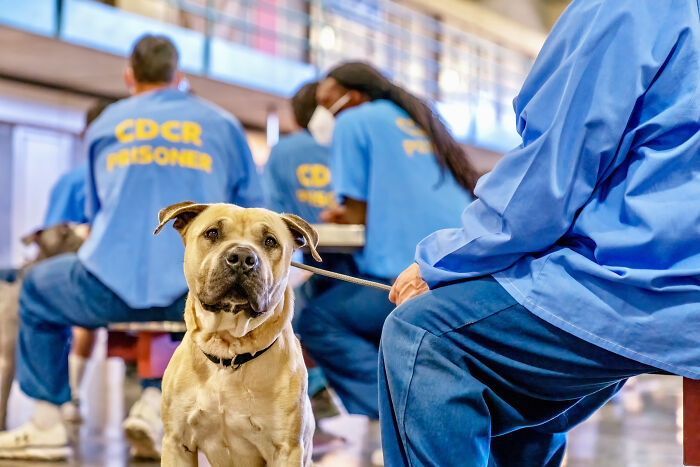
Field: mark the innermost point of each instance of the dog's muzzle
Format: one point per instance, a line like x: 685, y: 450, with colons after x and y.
x: 233, y: 287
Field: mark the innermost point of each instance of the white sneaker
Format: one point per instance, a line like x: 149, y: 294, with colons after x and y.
x: 30, y: 443
x: 143, y: 427
x: 71, y: 412
x: 377, y: 458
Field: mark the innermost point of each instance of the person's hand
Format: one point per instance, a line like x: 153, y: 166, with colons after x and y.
x: 351, y: 211
x: 408, y: 285
x: 336, y: 215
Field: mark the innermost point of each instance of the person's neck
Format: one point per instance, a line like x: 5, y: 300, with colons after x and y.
x: 140, y: 88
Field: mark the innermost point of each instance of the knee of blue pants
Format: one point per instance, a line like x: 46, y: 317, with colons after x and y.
x: 30, y: 297
x: 414, y: 313
x: 314, y: 323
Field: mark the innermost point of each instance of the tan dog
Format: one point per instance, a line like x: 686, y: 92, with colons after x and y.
x: 236, y: 387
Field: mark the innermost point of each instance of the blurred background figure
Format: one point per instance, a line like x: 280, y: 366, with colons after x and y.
x: 392, y: 163
x: 298, y: 180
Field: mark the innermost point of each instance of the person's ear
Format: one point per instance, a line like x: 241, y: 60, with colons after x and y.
x: 356, y: 98
x: 178, y: 77
x: 130, y: 80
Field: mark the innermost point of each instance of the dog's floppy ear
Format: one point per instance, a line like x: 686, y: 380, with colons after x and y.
x: 303, y: 233
x: 32, y: 237
x: 183, y: 213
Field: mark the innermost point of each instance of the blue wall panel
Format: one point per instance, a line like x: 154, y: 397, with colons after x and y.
x: 251, y: 68
x: 112, y: 30
x: 37, y: 16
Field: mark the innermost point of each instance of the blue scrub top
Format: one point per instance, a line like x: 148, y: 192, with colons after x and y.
x: 593, y: 223
x: 380, y: 156
x: 67, y: 199
x: 145, y: 153
x: 297, y: 177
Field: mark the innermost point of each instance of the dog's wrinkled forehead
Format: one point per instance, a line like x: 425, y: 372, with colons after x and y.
x: 193, y: 220
x: 235, y: 224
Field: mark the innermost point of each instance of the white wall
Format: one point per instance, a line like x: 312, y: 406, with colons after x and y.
x: 40, y: 157
x: 38, y: 143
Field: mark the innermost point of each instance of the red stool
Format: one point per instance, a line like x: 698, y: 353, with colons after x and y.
x: 154, y: 350
x: 691, y: 422
x: 151, y: 348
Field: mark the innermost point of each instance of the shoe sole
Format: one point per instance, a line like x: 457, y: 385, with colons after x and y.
x: 57, y: 453
x: 140, y: 438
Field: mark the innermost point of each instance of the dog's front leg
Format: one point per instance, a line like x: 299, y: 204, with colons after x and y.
x: 176, y: 454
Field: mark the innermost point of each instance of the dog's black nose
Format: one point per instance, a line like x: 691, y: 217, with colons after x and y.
x: 242, y: 258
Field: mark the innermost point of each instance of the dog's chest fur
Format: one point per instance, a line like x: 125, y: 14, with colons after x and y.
x: 225, y: 425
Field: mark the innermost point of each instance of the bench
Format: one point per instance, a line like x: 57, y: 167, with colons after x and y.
x: 151, y: 348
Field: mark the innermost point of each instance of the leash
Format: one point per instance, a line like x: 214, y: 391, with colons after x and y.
x: 342, y: 277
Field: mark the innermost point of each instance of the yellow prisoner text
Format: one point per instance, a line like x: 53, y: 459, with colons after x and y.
x: 145, y: 129
x: 160, y: 155
x: 313, y: 175
x: 409, y: 127
x: 420, y: 146
x: 317, y: 198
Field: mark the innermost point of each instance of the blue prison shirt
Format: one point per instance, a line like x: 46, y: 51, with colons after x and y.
x: 380, y: 156
x: 593, y: 223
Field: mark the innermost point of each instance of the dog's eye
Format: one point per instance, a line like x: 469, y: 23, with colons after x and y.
x: 212, y: 234
x: 270, y: 242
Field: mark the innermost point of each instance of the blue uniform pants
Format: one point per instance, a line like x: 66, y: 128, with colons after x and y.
x: 314, y: 287
x: 341, y: 329
x: 56, y: 294
x: 468, y: 377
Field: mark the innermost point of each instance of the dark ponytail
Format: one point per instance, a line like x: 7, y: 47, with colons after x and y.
x: 448, y: 153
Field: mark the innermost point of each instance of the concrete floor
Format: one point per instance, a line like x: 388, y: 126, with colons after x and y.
x: 637, y: 429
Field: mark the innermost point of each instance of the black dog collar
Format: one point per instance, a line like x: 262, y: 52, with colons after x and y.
x: 239, y: 360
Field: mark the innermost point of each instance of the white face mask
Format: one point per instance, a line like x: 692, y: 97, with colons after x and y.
x: 322, y: 121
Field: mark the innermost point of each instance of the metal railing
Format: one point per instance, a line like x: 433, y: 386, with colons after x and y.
x: 439, y: 59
